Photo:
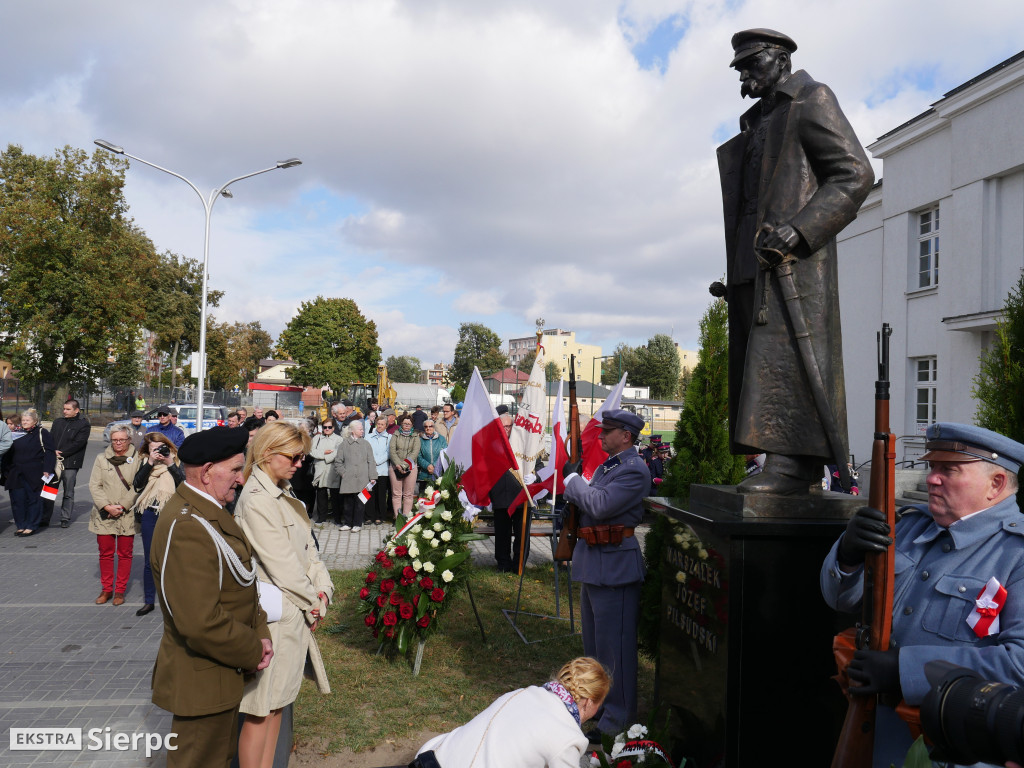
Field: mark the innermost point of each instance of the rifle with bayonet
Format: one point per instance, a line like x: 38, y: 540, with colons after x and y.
x: 571, y: 518
x: 856, y: 742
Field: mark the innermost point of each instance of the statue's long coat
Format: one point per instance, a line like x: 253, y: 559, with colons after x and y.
x: 814, y: 175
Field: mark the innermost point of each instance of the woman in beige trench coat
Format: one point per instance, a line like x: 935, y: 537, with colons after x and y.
x: 277, y: 526
x: 112, y: 519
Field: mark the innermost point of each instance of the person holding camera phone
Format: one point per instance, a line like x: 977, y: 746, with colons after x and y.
x: 111, y: 520
x: 155, y: 482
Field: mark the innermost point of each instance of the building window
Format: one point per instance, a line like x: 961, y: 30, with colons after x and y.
x: 925, y: 370
x: 928, y: 248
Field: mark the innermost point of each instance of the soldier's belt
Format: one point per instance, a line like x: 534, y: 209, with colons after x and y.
x: 605, y: 534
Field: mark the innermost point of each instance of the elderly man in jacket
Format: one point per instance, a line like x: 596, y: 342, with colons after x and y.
x: 70, y: 435
x: 214, y: 629
x: 953, y: 559
x: 608, y: 561
x: 792, y: 179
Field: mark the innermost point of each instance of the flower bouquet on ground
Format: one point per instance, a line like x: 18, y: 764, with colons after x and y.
x: 632, y: 747
x: 419, y: 568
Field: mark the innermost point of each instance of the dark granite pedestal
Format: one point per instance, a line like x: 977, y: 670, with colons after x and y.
x: 746, y: 638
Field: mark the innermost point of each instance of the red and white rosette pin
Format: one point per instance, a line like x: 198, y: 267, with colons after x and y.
x: 427, y: 503
x: 984, y: 619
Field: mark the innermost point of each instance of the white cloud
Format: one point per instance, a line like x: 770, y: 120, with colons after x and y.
x: 481, y: 161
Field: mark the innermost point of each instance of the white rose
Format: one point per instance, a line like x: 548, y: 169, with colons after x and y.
x: 616, y: 748
x: 447, y: 576
x: 446, y: 515
x: 446, y: 535
x: 428, y: 567
x: 416, y: 528
x: 417, y: 565
x: 445, y: 495
x: 702, y: 554
x: 449, y: 552
x: 413, y: 550
x: 680, y: 577
x: 429, y: 490
x: 428, y: 535
x: 438, y: 526
x: 434, y: 543
x: 636, y: 731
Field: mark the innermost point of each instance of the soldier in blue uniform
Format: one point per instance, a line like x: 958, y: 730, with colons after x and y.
x: 949, y: 555
x: 608, y: 562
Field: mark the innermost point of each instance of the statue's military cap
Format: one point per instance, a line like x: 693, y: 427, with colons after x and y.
x: 751, y: 41
x: 211, y: 445
x: 947, y: 441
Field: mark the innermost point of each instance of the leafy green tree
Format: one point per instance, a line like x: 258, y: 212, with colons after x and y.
x: 702, y: 455
x: 684, y: 383
x: 626, y: 360
x: 332, y: 343
x: 552, y: 371
x: 525, y: 364
x: 658, y: 367
x: 478, y: 346
x: 405, y: 368
x: 1000, y: 379
x: 125, y: 370
x: 174, y: 306
x: 75, y: 272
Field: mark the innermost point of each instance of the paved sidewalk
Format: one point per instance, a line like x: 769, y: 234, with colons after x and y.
x: 66, y: 662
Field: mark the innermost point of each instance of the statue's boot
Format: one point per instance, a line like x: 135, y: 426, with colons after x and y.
x: 785, y: 475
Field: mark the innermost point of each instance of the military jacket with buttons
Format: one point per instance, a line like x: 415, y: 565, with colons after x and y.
x: 614, y: 497
x: 939, y: 574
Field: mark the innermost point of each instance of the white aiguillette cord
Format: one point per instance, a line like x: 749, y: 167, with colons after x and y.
x: 245, y: 577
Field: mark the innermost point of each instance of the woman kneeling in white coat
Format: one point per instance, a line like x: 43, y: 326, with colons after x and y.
x: 535, y: 727
x: 277, y: 526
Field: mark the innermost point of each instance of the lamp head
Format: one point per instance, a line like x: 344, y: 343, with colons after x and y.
x: 109, y: 147
x: 291, y: 162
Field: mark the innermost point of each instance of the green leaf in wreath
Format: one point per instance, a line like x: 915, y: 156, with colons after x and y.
x: 451, y: 562
x: 424, y: 605
x: 402, y: 640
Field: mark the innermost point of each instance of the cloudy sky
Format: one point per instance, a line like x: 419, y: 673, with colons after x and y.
x: 463, y: 160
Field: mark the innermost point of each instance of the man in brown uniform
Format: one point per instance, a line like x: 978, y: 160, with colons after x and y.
x: 214, y: 632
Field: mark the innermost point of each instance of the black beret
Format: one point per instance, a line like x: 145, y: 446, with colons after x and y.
x: 347, y: 403
x: 751, y: 41
x: 138, y: 414
x: 211, y: 445
x: 501, y: 409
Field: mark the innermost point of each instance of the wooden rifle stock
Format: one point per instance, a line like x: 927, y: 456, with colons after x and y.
x: 571, y: 521
x: 857, y: 740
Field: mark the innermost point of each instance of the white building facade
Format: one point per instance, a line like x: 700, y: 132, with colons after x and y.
x: 935, y: 250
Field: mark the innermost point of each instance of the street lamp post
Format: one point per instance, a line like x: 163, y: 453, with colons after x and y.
x: 208, y: 208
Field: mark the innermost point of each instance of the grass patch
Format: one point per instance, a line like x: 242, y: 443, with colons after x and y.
x: 373, y: 698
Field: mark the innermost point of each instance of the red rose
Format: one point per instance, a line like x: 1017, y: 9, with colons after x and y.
x: 424, y: 621
x: 409, y: 572
x: 386, y: 586
x: 401, y: 550
x: 381, y: 601
x: 624, y: 764
x: 389, y: 633
x: 364, y: 593
x: 396, y: 598
x: 406, y: 610
x: 369, y: 619
x: 380, y: 557
x: 390, y: 619
x: 437, y: 595
x: 427, y: 583
x: 387, y: 562
x: 415, y: 599
x: 371, y: 577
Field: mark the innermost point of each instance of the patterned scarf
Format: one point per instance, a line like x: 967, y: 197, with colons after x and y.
x: 561, y: 692
x: 157, y: 491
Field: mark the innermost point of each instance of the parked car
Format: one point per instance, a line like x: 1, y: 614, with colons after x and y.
x: 213, y: 416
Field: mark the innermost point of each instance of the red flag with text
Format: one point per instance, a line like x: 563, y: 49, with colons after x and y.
x: 479, y: 445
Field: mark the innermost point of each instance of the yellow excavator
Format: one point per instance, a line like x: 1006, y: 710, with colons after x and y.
x: 360, y: 393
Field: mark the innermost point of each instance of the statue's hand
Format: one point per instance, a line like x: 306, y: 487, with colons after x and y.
x: 782, y: 238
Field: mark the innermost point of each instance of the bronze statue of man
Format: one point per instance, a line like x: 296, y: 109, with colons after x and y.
x: 791, y: 180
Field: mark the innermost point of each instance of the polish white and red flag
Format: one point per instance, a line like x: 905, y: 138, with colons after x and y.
x: 367, y: 492
x: 479, y: 446
x: 549, y: 477
x: 593, y: 455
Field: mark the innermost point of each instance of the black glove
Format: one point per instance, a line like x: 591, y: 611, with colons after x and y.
x: 875, y: 672
x: 866, y: 532
x: 572, y: 466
